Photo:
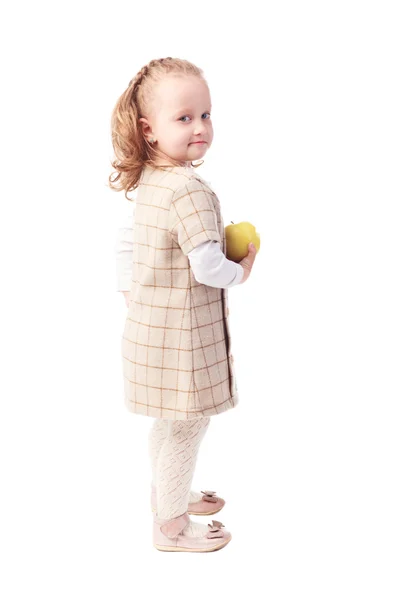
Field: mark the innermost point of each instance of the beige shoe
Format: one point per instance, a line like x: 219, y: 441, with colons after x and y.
x: 208, y: 505
x: 167, y: 536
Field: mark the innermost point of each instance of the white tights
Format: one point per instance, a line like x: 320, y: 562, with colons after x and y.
x: 173, y: 449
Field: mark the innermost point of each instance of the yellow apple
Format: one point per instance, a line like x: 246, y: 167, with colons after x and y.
x: 238, y: 238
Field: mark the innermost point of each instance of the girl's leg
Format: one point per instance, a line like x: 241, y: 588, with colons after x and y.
x: 175, y: 469
x: 157, y: 436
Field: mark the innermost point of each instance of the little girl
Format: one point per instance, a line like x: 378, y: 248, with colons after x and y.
x: 177, y: 362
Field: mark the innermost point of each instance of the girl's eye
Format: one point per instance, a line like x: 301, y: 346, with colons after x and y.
x: 187, y: 115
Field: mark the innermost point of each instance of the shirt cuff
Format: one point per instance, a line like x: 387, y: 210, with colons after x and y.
x: 238, y: 277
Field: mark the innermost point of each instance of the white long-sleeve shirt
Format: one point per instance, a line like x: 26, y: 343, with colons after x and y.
x: 208, y: 263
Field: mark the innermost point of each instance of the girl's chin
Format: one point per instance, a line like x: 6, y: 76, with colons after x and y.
x: 198, y: 148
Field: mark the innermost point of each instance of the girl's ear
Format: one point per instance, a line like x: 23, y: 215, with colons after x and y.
x: 145, y: 127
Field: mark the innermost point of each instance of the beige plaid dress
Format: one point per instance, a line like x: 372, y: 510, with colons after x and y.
x: 176, y: 343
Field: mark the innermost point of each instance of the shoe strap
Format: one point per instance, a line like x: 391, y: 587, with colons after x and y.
x: 173, y: 527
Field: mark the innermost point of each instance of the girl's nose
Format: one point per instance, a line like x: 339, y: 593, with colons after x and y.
x: 200, y: 128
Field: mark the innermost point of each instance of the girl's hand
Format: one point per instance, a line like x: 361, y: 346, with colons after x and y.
x: 126, y: 296
x: 248, y: 261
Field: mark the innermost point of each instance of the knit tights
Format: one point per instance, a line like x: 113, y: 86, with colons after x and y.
x: 173, y: 448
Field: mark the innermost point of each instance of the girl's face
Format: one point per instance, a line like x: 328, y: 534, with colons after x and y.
x: 180, y: 119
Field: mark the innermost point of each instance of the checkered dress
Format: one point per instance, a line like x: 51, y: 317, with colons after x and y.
x: 177, y: 362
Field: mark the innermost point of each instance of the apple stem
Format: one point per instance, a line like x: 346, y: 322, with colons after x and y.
x: 232, y: 222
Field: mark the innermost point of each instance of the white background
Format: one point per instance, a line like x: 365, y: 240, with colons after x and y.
x: 306, y: 146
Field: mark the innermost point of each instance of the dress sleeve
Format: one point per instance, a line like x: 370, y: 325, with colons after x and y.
x: 192, y: 216
x: 211, y: 267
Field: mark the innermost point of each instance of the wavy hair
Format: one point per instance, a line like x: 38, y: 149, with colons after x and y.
x: 131, y: 148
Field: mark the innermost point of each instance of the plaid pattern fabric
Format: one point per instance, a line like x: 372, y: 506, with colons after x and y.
x: 177, y: 362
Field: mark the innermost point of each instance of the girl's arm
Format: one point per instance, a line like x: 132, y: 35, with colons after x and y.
x: 211, y: 267
x: 193, y: 224
x: 124, y: 249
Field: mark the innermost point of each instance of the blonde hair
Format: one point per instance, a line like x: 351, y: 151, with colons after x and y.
x: 131, y: 148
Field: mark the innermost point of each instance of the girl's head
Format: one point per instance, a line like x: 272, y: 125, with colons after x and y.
x: 159, y: 120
